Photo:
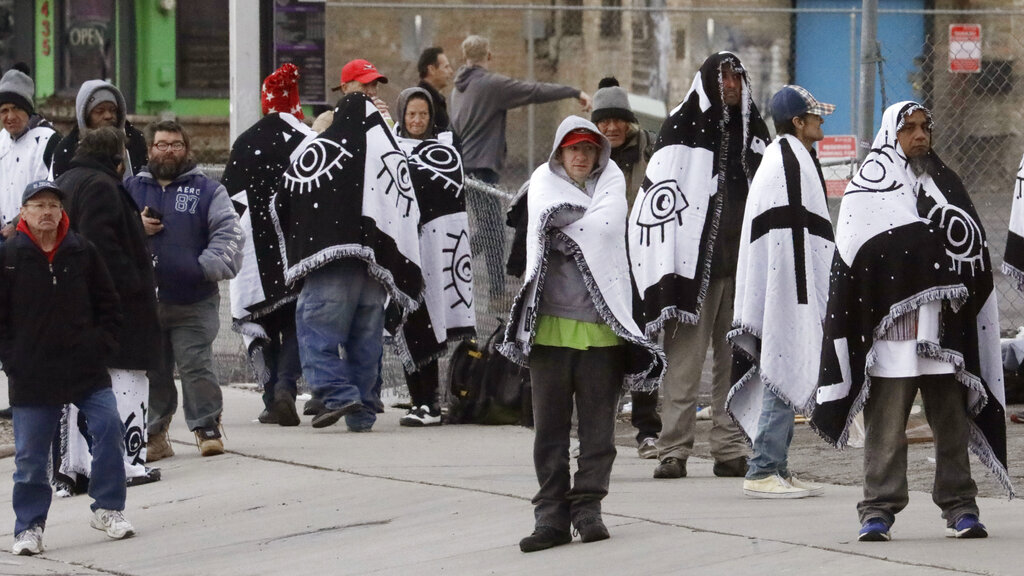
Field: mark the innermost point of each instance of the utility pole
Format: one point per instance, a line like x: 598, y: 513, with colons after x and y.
x: 244, y: 40
x: 869, y: 58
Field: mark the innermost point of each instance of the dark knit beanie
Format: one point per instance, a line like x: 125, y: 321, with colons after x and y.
x: 611, y: 101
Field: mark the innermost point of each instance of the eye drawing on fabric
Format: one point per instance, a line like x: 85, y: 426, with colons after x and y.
x: 964, y: 240
x: 133, y: 438
x: 442, y: 162
x: 663, y: 203
x: 319, y: 159
x: 460, y: 270
x: 873, y: 175
x: 396, y: 166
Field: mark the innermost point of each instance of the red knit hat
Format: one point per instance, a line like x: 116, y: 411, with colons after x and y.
x: 281, y: 91
x: 580, y: 135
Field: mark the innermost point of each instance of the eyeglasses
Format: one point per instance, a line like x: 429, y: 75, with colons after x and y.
x: 43, y: 205
x: 164, y: 146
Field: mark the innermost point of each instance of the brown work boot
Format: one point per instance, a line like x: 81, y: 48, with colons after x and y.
x: 159, y: 446
x: 209, y: 441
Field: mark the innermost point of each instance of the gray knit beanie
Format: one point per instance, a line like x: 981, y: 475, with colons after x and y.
x: 17, y: 88
x: 611, y: 101
x: 98, y: 97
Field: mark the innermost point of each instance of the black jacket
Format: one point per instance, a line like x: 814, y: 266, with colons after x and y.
x: 57, y: 321
x: 138, y: 151
x: 101, y: 209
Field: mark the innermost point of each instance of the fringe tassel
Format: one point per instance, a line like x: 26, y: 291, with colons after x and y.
x: 1015, y: 274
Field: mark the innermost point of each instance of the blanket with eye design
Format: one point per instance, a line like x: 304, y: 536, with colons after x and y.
x: 349, y: 194
x: 909, y: 235
x: 447, y: 312
x: 674, y: 220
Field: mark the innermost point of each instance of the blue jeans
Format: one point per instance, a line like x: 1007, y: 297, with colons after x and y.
x: 774, y: 434
x: 34, y: 428
x: 340, y: 326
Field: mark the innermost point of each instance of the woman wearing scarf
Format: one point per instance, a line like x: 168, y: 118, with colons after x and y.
x: 572, y: 322
x: 436, y: 171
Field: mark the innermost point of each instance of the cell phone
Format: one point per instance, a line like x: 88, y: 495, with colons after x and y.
x: 153, y: 213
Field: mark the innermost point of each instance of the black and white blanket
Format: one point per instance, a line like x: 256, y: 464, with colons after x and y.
x: 597, y: 242
x: 349, y: 195
x: 1013, y: 258
x: 254, y: 173
x: 674, y: 219
x: 781, y: 284
x: 446, y: 260
x: 903, y: 241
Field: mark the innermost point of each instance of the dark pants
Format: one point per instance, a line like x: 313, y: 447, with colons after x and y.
x: 593, y: 378
x: 645, y: 416
x: 489, y: 238
x: 885, y: 446
x: 281, y: 355
x: 423, y: 385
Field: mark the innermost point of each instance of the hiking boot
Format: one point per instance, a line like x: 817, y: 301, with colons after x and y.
x: 814, y: 489
x: 113, y: 523
x: 646, y: 449
x: 421, y: 416
x: 284, y: 412
x: 267, y: 417
x: 671, y: 468
x: 151, y: 475
x: 29, y: 542
x: 773, y: 486
x: 734, y: 468
x: 591, y: 529
x: 209, y: 441
x: 313, y: 406
x: 328, y: 417
x: 874, y: 530
x: 966, y: 526
x: 159, y: 447
x: 544, y: 537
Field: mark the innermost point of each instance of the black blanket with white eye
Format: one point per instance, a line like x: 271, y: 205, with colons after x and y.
x: 447, y: 312
x: 253, y: 174
x: 674, y: 219
x: 903, y: 241
x: 349, y: 195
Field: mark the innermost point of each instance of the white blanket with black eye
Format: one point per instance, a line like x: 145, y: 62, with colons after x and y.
x: 349, y: 195
x: 447, y: 312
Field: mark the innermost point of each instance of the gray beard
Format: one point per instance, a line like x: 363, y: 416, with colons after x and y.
x: 920, y: 165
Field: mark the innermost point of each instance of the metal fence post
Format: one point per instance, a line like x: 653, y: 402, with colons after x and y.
x: 868, y: 57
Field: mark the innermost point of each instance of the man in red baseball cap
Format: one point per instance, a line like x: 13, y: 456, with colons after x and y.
x: 361, y: 76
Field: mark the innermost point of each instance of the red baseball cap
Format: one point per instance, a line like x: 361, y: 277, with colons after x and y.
x: 361, y: 71
x: 580, y: 135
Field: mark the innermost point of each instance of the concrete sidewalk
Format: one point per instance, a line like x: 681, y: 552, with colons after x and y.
x: 456, y: 500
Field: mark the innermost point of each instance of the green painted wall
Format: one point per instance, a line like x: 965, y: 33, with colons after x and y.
x: 156, y: 57
x: 46, y: 47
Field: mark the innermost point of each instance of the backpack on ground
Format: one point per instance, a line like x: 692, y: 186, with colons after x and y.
x: 486, y: 387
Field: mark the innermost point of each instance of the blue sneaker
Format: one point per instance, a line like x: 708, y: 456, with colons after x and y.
x: 966, y: 526
x: 874, y: 530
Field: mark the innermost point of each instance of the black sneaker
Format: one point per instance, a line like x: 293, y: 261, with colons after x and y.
x: 284, y: 412
x: 592, y: 529
x: 6, y: 413
x: 152, y: 475
x: 544, y: 537
x: 312, y: 407
x: 735, y: 468
x: 267, y: 417
x: 329, y: 417
x: 421, y: 416
x: 671, y: 467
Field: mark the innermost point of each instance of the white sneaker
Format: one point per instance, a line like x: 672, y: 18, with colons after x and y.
x: 814, y: 489
x: 773, y: 486
x: 113, y: 523
x: 420, y: 416
x: 29, y: 542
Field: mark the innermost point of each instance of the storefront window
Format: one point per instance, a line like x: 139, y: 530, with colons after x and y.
x: 87, y: 43
x: 204, y: 65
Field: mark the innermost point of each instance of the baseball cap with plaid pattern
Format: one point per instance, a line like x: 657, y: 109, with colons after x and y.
x: 792, y: 101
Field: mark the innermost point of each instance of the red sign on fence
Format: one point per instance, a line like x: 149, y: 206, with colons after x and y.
x: 837, y: 175
x: 965, y: 48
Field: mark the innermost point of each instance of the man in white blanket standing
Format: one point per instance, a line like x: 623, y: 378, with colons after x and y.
x: 684, y: 235
x: 781, y: 293
x: 912, y: 308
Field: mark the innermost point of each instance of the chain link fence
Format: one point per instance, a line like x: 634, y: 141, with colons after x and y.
x: 654, y: 48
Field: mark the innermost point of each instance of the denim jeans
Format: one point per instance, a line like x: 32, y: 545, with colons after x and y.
x: 281, y: 355
x: 885, y: 446
x: 340, y: 325
x: 592, y: 379
x: 774, y: 434
x: 188, y: 334
x: 34, y: 429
